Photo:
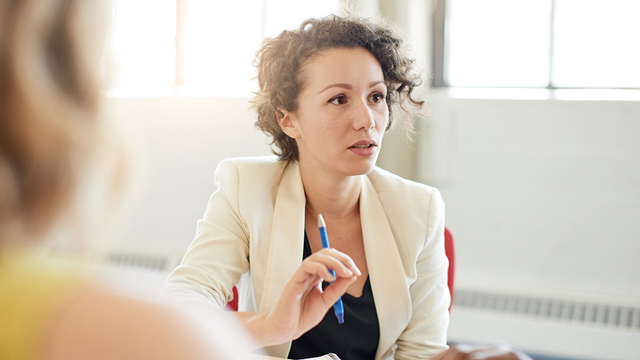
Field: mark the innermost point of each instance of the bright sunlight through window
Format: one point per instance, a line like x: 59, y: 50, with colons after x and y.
x: 143, y: 54
x: 596, y: 44
x: 497, y: 42
x: 542, y: 43
x: 196, y: 47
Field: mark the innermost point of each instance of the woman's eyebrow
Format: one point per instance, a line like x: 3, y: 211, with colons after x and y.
x: 340, y: 85
x: 349, y: 86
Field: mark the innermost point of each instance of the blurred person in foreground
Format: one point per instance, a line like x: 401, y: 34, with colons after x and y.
x: 51, y: 140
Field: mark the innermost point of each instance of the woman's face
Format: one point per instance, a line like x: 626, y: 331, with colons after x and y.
x: 342, y: 113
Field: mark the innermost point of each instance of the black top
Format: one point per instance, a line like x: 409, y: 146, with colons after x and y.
x: 356, y: 338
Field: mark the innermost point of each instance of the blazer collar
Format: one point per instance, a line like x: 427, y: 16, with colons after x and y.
x: 287, y: 233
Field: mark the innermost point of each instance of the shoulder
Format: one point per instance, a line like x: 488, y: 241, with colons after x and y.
x: 250, y: 180
x: 414, y: 210
x: 59, y: 315
x: 394, y: 187
x: 248, y: 169
x: 100, y: 324
x: 253, y: 163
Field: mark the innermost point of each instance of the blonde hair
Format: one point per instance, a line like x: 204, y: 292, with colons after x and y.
x: 49, y: 101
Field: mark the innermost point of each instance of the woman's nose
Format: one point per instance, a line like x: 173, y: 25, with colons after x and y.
x: 364, y: 117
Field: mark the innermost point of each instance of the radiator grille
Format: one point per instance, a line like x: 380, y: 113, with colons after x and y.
x: 138, y: 260
x: 620, y: 317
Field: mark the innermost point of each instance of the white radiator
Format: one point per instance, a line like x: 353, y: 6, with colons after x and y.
x: 564, y: 328
x: 136, y: 273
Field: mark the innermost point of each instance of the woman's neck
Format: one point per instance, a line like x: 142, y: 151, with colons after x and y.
x: 332, y: 196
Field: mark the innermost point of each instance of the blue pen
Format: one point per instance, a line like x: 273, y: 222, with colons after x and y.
x: 337, y: 307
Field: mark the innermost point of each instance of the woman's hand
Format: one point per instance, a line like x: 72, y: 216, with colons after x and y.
x: 302, y: 303
x: 469, y: 352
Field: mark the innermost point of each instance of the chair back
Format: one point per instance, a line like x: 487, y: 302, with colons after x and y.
x: 233, y: 304
x: 449, y: 251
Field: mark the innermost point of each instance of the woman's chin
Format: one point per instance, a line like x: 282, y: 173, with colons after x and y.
x: 362, y: 167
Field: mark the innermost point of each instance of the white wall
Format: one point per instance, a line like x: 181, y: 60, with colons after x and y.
x: 542, y: 195
x: 177, y: 144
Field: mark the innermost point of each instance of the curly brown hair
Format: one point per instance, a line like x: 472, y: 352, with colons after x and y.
x: 280, y: 63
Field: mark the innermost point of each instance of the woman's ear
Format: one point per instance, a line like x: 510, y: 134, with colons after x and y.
x: 287, y: 123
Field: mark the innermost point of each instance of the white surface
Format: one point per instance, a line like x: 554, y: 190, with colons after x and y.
x: 177, y: 145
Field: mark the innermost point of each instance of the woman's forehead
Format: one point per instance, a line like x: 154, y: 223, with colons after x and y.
x: 349, y: 66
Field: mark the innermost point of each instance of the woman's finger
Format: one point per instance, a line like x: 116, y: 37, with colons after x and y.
x: 337, y: 289
x: 318, y: 269
x: 308, y: 275
x: 340, y: 263
x: 345, y: 259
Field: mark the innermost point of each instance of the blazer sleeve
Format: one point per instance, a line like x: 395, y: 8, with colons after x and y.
x: 219, y: 254
x: 425, y: 334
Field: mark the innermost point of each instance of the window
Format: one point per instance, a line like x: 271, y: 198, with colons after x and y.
x: 537, y: 43
x: 142, y: 52
x: 158, y: 47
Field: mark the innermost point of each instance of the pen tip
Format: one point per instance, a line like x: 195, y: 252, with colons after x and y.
x: 321, y: 221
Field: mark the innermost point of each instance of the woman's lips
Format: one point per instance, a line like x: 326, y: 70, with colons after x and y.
x: 364, y: 149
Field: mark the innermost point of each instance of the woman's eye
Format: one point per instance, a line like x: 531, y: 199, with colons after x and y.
x: 338, y: 100
x: 377, y: 97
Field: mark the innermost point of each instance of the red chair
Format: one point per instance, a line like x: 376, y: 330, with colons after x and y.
x: 448, y: 249
x: 451, y: 255
x: 233, y: 304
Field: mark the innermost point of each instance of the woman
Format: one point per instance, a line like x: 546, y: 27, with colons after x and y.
x: 326, y: 94
x: 49, y: 128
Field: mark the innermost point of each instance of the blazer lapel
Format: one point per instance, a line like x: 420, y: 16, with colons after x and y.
x: 386, y: 274
x: 285, y: 243
x: 287, y: 233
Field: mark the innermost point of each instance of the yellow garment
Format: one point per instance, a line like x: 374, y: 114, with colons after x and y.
x: 31, y: 291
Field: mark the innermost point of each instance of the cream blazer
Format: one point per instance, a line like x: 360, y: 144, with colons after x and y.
x: 252, y: 235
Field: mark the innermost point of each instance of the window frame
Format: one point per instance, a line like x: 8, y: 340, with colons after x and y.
x: 439, y: 56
